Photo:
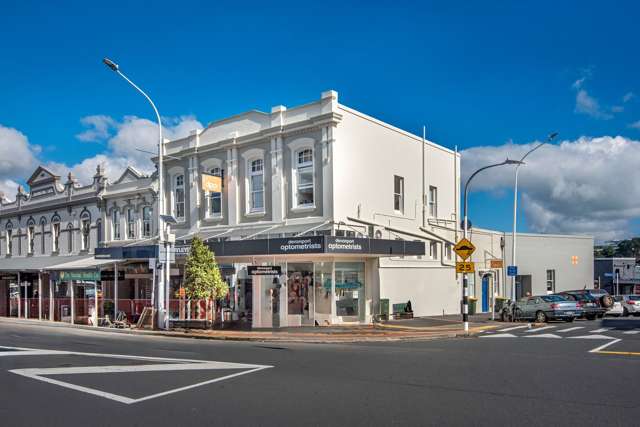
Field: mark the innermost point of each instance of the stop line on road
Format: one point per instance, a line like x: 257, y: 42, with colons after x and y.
x: 159, y: 364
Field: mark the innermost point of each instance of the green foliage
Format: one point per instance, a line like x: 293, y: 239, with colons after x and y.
x: 623, y: 249
x: 202, y: 278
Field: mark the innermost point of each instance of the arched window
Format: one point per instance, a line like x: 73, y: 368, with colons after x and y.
x: 146, y: 221
x: 43, y: 223
x: 55, y: 234
x: 256, y: 185
x: 31, y: 236
x: 215, y: 198
x: 85, y: 229
x: 115, y: 224
x: 99, y: 232
x: 304, y: 178
x: 178, y: 191
x: 9, y: 238
x: 70, y: 238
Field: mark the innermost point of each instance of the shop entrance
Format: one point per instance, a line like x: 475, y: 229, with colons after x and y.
x: 300, y: 294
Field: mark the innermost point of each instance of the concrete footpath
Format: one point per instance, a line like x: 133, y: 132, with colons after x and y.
x: 397, y: 330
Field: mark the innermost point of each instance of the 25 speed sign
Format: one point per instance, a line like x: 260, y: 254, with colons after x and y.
x: 465, y: 267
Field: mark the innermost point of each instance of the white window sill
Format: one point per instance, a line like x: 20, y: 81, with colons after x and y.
x: 214, y: 218
x: 304, y: 208
x: 255, y: 214
x: 399, y: 213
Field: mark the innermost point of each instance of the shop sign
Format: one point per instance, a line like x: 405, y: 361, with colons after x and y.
x: 9, y: 277
x: 138, y: 268
x: 109, y: 275
x: 182, y: 250
x: 211, y: 183
x: 303, y: 245
x: 88, y: 276
x: 496, y: 263
x: 347, y: 245
x: 264, y: 270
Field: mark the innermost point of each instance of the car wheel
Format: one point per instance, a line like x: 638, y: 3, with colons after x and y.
x: 541, y: 317
x: 504, y: 316
x: 625, y: 313
x: 591, y: 317
x: 569, y: 319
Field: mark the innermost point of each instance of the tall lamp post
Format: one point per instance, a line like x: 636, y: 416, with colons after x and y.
x: 159, y: 302
x: 515, y: 209
x: 465, y: 283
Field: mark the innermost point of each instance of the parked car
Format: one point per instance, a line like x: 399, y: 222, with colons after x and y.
x: 543, y: 308
x: 630, y: 305
x: 591, y: 308
x: 616, y: 309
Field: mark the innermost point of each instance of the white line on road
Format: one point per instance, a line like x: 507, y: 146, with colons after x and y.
x: 539, y: 329
x: 513, y: 328
x: 498, y: 336
x: 602, y: 347
x: 592, y: 337
x: 597, y: 331
x: 631, y: 332
x: 544, y: 336
x: 575, y: 328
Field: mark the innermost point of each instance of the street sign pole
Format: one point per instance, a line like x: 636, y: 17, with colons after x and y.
x: 465, y: 284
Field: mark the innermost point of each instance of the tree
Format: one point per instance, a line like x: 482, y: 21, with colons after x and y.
x: 202, y: 278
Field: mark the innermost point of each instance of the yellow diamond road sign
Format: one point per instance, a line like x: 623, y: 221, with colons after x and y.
x: 464, y: 248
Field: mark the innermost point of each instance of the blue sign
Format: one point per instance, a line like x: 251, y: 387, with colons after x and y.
x: 512, y: 270
x: 608, y: 274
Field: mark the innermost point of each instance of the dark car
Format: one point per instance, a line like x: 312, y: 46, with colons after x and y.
x: 591, y: 307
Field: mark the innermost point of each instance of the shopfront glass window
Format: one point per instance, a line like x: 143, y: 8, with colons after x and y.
x: 300, y: 290
x: 322, y: 297
x: 349, y: 288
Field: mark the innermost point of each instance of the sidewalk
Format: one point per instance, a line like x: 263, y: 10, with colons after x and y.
x: 422, y: 329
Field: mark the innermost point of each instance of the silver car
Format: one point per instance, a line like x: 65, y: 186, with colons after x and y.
x: 546, y: 307
x: 630, y: 305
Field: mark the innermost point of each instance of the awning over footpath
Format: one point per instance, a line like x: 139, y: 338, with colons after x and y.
x: 53, y: 263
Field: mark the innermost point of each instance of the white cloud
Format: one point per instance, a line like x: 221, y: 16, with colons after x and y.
x: 586, y: 104
x: 17, y: 156
x: 8, y: 189
x: 635, y: 125
x: 580, y: 186
x: 99, y: 128
x: 628, y: 97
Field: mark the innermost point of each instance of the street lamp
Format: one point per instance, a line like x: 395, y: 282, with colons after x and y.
x: 162, y: 317
x: 465, y: 283
x: 515, y: 210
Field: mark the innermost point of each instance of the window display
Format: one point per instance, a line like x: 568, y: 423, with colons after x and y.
x: 349, y: 288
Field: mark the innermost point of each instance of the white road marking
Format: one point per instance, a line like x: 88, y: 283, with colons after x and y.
x: 593, y: 337
x: 575, y: 328
x: 631, y: 332
x: 177, y: 365
x: 602, y: 347
x: 513, y: 328
x: 498, y: 336
x: 597, y: 331
x: 539, y: 329
x: 544, y: 336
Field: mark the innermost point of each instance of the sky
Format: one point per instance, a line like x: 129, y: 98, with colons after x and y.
x: 491, y: 79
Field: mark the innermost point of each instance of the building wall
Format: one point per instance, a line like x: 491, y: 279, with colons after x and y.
x: 537, y: 253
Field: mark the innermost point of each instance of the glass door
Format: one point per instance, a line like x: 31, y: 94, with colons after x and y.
x: 300, y: 294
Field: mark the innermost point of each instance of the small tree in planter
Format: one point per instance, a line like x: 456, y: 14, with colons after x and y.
x: 202, y: 278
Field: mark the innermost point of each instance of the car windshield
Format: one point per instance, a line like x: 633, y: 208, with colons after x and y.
x: 634, y: 297
x: 553, y: 298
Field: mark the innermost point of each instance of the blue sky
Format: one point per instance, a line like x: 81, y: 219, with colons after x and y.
x: 475, y: 74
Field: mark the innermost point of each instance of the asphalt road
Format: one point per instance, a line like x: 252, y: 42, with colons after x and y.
x: 489, y: 380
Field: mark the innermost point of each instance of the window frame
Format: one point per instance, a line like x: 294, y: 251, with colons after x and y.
x: 131, y: 223
x: 115, y: 225
x: 85, y: 235
x: 216, y: 171
x: 147, y: 221
x: 55, y: 236
x: 300, y: 167
x: 177, y: 203
x: 433, y: 201
x: 551, y: 281
x: 433, y: 250
x: 70, y: 238
x: 9, y: 238
x: 31, y: 237
x: 43, y: 224
x: 251, y: 209
x: 398, y: 194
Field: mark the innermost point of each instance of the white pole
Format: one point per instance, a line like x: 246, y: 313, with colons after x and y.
x: 19, y: 296
x: 51, y: 300
x: 73, y: 302
x: 40, y: 295
x: 424, y: 207
x: 115, y: 290
x: 513, y: 236
x: 95, y: 303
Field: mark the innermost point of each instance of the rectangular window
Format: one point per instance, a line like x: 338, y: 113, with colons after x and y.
x: 433, y: 201
x: 146, y: 221
x: 398, y: 193
x: 31, y: 236
x: 551, y: 281
x: 349, y: 286
x: 304, y: 177
x: 179, y: 195
x: 448, y: 251
x: 433, y: 250
x: 55, y: 237
x: 9, y: 242
x: 85, y: 227
x: 215, y: 198
x: 42, y: 241
x: 115, y: 225
x: 256, y: 186
x: 131, y: 224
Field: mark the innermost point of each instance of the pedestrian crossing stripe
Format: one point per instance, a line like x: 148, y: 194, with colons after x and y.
x: 544, y: 336
x: 575, y: 328
x: 540, y: 329
x: 631, y: 332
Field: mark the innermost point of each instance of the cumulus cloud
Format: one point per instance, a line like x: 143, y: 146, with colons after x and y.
x: 19, y: 158
x: 99, y: 127
x: 576, y: 187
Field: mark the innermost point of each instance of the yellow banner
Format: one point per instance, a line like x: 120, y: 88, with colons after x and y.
x: 211, y: 183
